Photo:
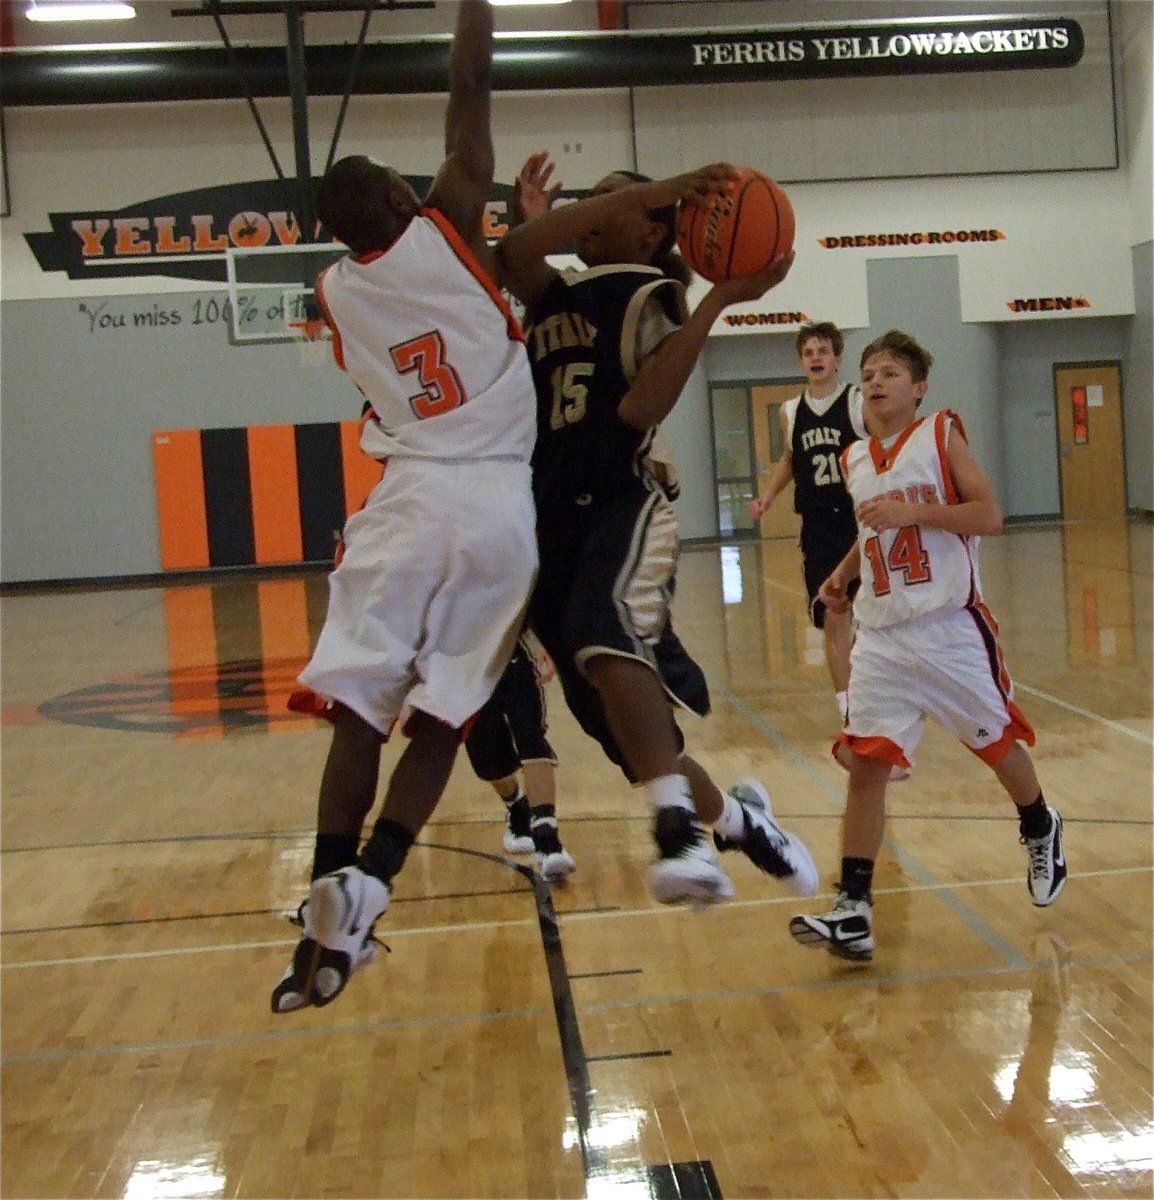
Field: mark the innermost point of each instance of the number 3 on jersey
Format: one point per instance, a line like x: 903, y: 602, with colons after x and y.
x: 424, y: 357
x: 907, y: 555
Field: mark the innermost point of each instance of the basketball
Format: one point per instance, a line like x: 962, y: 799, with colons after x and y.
x: 737, y: 232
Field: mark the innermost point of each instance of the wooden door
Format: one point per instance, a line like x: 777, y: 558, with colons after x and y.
x: 768, y: 446
x: 1090, y: 458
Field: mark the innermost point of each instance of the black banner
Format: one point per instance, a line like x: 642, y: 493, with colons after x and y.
x: 186, y: 235
x: 527, y: 62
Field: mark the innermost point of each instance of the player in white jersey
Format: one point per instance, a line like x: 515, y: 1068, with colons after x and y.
x: 428, y: 598
x: 926, y: 645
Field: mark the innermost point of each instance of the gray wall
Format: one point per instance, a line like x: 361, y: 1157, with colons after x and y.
x: 77, y: 489
x: 81, y: 401
x: 895, y: 127
x: 1029, y: 415
x: 925, y: 303
x: 1138, y: 385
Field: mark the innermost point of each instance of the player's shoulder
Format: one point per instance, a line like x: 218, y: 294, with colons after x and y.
x: 855, y: 403
x: 611, y: 274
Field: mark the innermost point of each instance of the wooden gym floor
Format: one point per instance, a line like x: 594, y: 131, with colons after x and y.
x: 157, y: 812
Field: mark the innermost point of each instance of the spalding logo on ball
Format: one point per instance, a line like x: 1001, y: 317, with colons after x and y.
x: 737, y: 232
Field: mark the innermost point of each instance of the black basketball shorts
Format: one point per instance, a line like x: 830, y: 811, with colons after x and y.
x: 604, y: 586
x: 511, y: 727
x: 825, y: 540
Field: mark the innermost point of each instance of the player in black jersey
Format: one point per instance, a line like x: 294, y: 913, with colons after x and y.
x: 612, y: 347
x: 509, y: 741
x: 817, y: 427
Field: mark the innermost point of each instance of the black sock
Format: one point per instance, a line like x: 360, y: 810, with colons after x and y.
x: 1034, y: 819
x: 543, y: 826
x: 384, y: 853
x: 331, y: 851
x: 857, y: 878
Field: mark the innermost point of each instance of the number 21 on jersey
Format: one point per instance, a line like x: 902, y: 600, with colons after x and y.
x: 825, y: 469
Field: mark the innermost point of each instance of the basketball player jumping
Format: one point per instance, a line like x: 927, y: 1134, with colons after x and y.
x: 426, y: 604
x: 612, y: 348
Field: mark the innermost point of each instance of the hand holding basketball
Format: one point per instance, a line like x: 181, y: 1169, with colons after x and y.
x: 738, y: 232
x: 741, y: 288
x: 695, y: 187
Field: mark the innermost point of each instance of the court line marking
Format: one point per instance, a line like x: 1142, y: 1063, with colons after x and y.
x: 563, y: 919
x: 906, y: 859
x: 849, y: 978
x: 306, y: 835
x: 1145, y: 738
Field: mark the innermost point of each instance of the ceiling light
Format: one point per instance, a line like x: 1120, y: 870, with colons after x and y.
x: 97, y: 10
x: 526, y: 3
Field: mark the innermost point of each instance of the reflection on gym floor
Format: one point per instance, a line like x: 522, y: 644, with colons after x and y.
x: 520, y: 1041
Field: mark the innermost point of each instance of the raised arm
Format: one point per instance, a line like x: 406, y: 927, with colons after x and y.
x: 464, y: 182
x: 664, y: 373
x: 521, y: 252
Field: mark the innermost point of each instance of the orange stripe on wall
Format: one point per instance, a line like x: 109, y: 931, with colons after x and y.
x: 276, y: 516
x: 362, y: 473
x: 180, y: 507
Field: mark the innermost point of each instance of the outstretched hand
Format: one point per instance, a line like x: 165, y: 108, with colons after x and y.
x: 532, y: 193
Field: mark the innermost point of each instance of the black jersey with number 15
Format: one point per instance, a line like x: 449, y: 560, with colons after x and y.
x: 581, y: 339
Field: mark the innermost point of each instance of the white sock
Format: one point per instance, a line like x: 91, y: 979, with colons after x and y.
x: 843, y: 706
x: 670, y: 791
x: 731, y: 823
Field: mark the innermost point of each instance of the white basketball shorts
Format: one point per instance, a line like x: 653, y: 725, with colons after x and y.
x: 426, y: 604
x: 947, y: 666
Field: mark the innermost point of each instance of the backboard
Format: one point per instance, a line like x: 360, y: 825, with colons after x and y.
x: 271, y: 291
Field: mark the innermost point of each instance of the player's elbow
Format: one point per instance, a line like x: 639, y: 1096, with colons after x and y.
x: 993, y: 520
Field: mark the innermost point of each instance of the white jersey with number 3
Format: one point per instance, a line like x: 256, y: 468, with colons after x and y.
x: 426, y: 335
x: 915, y: 570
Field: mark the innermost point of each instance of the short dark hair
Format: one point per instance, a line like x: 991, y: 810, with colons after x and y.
x: 826, y: 330
x: 665, y: 256
x: 901, y: 345
x: 351, y: 202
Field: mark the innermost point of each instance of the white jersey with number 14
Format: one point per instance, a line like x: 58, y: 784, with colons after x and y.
x: 915, y: 570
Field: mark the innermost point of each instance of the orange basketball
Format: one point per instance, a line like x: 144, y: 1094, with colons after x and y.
x: 739, y: 231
